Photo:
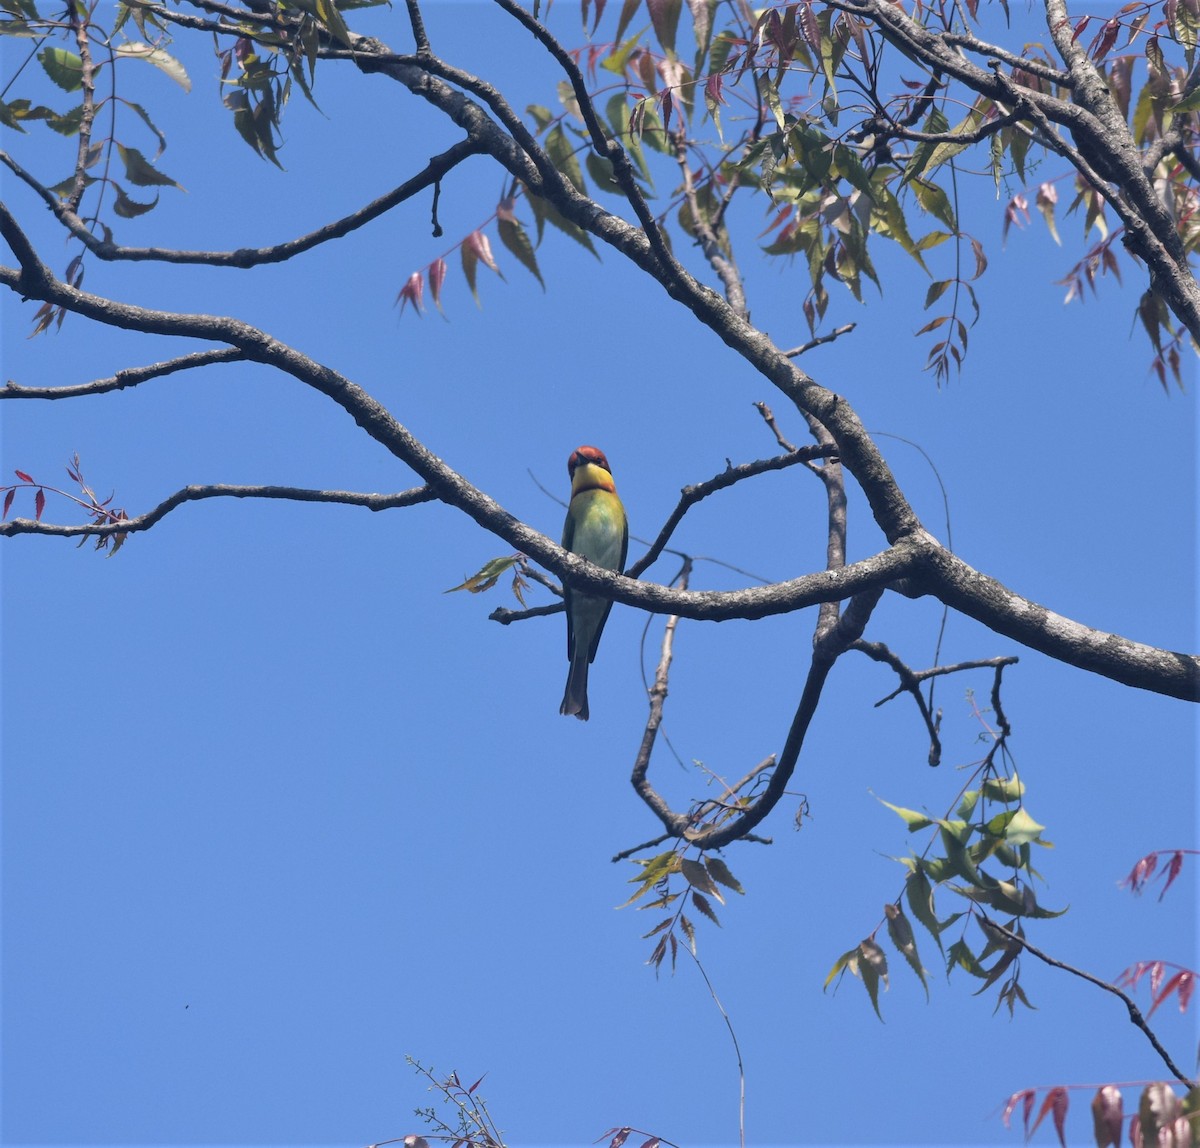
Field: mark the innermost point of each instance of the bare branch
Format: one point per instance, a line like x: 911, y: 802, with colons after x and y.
x: 909, y: 683
x: 915, y: 552
x: 719, y: 260
x: 245, y: 257
x: 690, y: 495
x: 676, y: 824
x: 145, y: 521
x: 768, y: 417
x: 795, y: 352
x: 128, y: 377
x: 1135, y: 1013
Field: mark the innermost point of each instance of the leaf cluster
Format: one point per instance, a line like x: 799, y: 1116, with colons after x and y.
x: 677, y: 882
x: 100, y: 512
x: 990, y: 827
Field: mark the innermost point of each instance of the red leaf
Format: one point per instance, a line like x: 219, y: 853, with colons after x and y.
x: 475, y: 1085
x: 1183, y: 983
x: 1080, y: 27
x: 1187, y: 983
x: 411, y: 292
x: 39, y: 504
x: 620, y: 1138
x: 1105, y: 39
x: 1056, y: 1103
x: 1107, y: 1116
x: 810, y: 28
x: 1141, y: 873
x: 1173, y: 868
x: 23, y: 476
x: 478, y: 243
x: 1025, y: 1095
x: 8, y: 501
x: 437, y: 276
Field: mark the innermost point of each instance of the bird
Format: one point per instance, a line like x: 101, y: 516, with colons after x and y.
x: 595, y: 529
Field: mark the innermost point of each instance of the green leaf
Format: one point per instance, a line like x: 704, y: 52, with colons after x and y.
x: 128, y: 208
x: 11, y: 114
x: 140, y: 171
x: 831, y: 56
x: 618, y: 59
x: 1015, y: 826
x: 933, y: 239
x: 63, y: 67
x: 901, y: 934
x: 513, y: 236
x: 601, y: 171
x: 67, y: 186
x: 486, y: 576
x: 847, y: 962
x: 255, y: 124
x: 919, y: 894
x: 961, y: 957
x: 1018, y: 148
x: 888, y: 219
x: 562, y: 153
x: 934, y: 200
x: 654, y: 869
x: 329, y: 15
x: 719, y: 871
x: 618, y: 115
x: 702, y: 906
x: 545, y: 212
x: 969, y: 800
x: 872, y: 967
x: 542, y: 116
x: 696, y: 875
x: 912, y: 819
x: 1005, y: 789
x: 166, y: 63
x: 145, y: 118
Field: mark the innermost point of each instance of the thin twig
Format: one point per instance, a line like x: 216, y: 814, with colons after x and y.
x: 245, y: 257
x: 1135, y: 1013
x: 821, y: 340
x: 690, y: 495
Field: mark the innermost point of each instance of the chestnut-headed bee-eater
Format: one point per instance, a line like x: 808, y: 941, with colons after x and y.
x: 596, y: 530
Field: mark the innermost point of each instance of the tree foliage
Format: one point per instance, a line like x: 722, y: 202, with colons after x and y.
x: 683, y: 137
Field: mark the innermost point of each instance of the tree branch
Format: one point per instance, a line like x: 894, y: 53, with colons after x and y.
x: 1135, y: 1013
x: 690, y: 495
x: 145, y: 521
x: 949, y: 579
x: 245, y: 257
x: 128, y: 377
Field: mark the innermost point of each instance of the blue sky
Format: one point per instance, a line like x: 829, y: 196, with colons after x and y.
x: 279, y: 812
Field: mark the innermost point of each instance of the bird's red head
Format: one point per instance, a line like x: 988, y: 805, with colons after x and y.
x: 585, y: 454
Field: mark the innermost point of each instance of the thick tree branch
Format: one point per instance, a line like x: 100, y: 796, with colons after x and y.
x: 949, y: 579
x: 858, y: 453
x: 943, y: 575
